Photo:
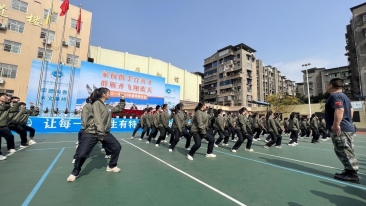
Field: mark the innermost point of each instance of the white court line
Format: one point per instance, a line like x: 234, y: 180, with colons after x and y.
x: 190, y: 176
x: 304, y: 162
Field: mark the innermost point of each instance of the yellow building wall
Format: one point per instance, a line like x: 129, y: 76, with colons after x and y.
x: 188, y: 82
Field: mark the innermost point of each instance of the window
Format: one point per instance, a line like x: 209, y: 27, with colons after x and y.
x: 8, y: 70
x: 249, y: 66
x: 364, y: 18
x: 221, y: 75
x: 48, y: 54
x: 74, y: 22
x: 70, y: 59
x: 53, y: 18
x: 227, y: 82
x: 11, y: 46
x: 51, y: 35
x: 248, y: 57
x: 208, y: 66
x: 228, y: 58
x: 310, y: 79
x: 7, y: 91
x: 19, y: 6
x: 16, y: 26
x: 220, y: 61
x: 74, y: 41
x: 238, y: 56
x: 214, y: 64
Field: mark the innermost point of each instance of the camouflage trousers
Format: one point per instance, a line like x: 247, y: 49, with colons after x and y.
x: 343, y: 147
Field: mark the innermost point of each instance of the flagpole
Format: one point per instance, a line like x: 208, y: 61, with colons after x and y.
x: 58, y: 68
x: 40, y: 83
x: 71, y: 82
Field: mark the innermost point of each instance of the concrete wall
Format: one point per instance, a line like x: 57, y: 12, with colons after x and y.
x: 188, y: 82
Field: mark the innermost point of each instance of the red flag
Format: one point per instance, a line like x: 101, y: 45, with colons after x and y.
x: 64, y: 7
x: 78, y: 25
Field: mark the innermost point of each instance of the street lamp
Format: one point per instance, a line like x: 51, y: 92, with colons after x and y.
x: 307, y: 83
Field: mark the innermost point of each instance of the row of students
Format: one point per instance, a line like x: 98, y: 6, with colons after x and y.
x: 14, y: 117
x: 96, y: 126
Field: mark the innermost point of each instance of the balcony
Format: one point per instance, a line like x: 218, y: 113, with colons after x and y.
x: 225, y: 94
x: 210, y: 96
x: 226, y: 86
x: 234, y: 76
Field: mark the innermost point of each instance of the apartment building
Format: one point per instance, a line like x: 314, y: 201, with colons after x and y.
x: 320, y: 77
x: 23, y: 36
x: 230, y: 77
x: 356, y: 50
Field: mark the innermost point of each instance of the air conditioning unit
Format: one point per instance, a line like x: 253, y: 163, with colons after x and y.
x: 64, y: 43
x: 46, y: 41
x: 78, y: 44
x: 40, y: 54
x: 326, y: 74
x: 3, y: 26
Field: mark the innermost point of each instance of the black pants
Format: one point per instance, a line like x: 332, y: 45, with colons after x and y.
x: 241, y: 139
x: 177, y: 136
x: 80, y: 140
x: 280, y: 131
x: 308, y: 132
x: 257, y: 132
x: 303, y: 132
x: 264, y: 131
x: 222, y: 134
x: 197, y: 143
x: 146, y: 129
x: 22, y: 133
x: 294, y: 136
x: 163, y: 132
x: 324, y: 133
x: 316, y: 135
x: 154, y: 132
x: 31, y: 130
x: 9, y: 137
x: 87, y: 145
x: 274, y: 139
x: 138, y: 126
x: 232, y: 130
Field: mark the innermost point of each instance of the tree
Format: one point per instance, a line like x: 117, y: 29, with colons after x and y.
x: 282, y: 103
x: 302, y: 98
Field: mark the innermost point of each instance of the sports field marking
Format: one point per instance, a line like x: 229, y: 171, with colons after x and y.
x: 40, y: 182
x: 293, y: 170
x: 188, y: 175
x: 357, y: 154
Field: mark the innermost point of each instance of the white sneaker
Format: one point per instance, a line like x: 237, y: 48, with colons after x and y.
x: 324, y: 139
x: 249, y: 150
x: 71, y: 178
x: 102, y: 150
x: 255, y: 140
x: 165, y: 141
x: 31, y: 142
x: 216, y: 145
x: 266, y: 141
x: 147, y: 142
x: 114, y: 169
x: 259, y: 139
x: 12, y: 151
x: 107, y: 156
x: 188, y: 149
x: 156, y: 145
x: 140, y: 139
x: 189, y: 157
x: 77, y: 146
x: 291, y: 144
x: 23, y: 146
x: 296, y: 143
x: 233, y: 150
x: 132, y: 137
x: 223, y: 144
x: 265, y: 147
x: 279, y: 147
x: 2, y: 158
x: 170, y: 150
x: 210, y: 155
x: 73, y: 161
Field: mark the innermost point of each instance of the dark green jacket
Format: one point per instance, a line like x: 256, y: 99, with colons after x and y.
x: 102, y: 117
x: 314, y: 123
x: 87, y: 116
x: 277, y: 124
x: 164, y: 119
x: 271, y: 126
x: 303, y: 125
x: 199, y: 122
x: 230, y: 121
x: 178, y: 121
x: 321, y: 125
x: 247, y: 123
x: 156, y: 117
x: 293, y: 124
x: 285, y: 124
x: 21, y: 116
x: 241, y: 123
x: 255, y: 122
x: 151, y: 120
x: 219, y: 123
x: 5, y: 110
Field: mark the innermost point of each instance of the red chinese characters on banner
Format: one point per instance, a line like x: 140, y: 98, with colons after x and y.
x: 116, y: 81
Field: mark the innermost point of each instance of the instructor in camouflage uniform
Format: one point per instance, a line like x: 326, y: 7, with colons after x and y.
x: 338, y: 118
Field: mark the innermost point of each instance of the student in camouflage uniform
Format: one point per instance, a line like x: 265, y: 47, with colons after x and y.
x: 338, y: 118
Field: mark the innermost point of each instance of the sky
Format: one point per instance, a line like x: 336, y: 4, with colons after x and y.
x: 285, y: 33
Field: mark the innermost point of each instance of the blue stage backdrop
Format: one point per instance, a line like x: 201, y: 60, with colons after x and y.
x: 172, y: 95
x: 48, y: 85
x: 69, y: 124
x: 139, y: 89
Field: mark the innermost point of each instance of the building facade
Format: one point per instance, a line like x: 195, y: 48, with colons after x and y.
x: 230, y: 77
x: 189, y: 83
x: 356, y: 50
x: 23, y: 36
x: 320, y: 77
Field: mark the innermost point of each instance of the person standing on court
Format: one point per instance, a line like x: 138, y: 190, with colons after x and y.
x: 164, y: 118
x: 98, y: 129
x: 338, y: 118
x: 155, y: 124
x: 241, y: 132
x: 293, y: 127
x: 220, y: 128
x: 272, y: 131
x: 178, y: 126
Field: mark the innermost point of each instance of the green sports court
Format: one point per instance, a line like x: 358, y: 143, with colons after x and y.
x: 301, y: 175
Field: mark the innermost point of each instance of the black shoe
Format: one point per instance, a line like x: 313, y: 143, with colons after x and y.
x: 344, y: 172
x: 348, y: 178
